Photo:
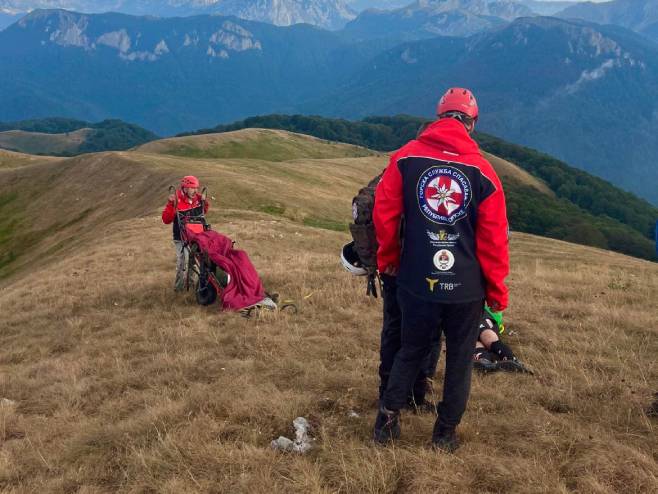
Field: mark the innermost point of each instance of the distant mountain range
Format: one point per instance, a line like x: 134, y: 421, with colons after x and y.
x: 329, y: 14
x: 431, y: 18
x: 540, y: 7
x: 639, y: 15
x: 361, y: 5
x: 558, y: 86
x: 167, y: 74
x: 551, y: 7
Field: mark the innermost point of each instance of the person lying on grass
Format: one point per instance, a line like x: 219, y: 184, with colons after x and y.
x: 491, y: 353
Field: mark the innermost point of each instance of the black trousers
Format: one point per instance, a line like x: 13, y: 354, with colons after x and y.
x: 391, y: 341
x: 421, y: 321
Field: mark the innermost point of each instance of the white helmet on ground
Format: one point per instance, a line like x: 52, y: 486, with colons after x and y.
x: 350, y: 260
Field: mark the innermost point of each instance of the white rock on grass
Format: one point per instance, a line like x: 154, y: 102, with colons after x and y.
x: 6, y: 402
x: 283, y: 444
x: 302, y: 443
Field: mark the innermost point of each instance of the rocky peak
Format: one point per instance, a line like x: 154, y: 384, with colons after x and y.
x: 148, y: 40
x: 329, y: 14
x: 504, y: 9
x: 638, y: 15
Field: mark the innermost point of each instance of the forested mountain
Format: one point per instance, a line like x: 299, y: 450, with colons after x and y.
x: 555, y: 85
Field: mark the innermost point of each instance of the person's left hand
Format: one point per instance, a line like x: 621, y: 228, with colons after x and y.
x: 391, y: 270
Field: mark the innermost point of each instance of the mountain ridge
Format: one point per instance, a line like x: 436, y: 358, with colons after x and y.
x: 431, y: 18
x: 582, y: 207
x: 639, y: 15
x: 330, y: 14
x: 552, y: 78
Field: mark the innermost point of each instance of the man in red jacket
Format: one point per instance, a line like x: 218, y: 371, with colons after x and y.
x: 188, y: 199
x: 455, y: 256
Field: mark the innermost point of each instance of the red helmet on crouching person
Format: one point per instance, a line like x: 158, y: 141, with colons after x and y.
x: 460, y: 100
x: 189, y: 182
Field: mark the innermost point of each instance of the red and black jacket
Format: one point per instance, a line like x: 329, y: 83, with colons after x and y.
x: 184, y: 204
x: 456, y: 231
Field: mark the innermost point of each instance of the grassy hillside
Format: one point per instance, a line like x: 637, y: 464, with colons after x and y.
x: 41, y: 143
x: 10, y: 159
x: 261, y: 144
x: 582, y: 208
x: 49, y: 205
x: 511, y: 173
x: 119, y: 385
x: 68, y: 137
x: 54, y: 205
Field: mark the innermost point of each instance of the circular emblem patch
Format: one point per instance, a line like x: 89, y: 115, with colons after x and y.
x: 444, y: 260
x: 443, y: 194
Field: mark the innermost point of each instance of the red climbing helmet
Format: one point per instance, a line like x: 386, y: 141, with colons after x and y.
x: 458, y: 99
x: 189, y: 182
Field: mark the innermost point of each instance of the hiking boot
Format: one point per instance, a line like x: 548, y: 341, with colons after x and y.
x: 513, y: 365
x: 445, y: 438
x: 485, y: 361
x: 502, y: 351
x: 387, y: 426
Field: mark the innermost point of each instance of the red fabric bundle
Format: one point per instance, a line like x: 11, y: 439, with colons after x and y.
x: 245, y: 288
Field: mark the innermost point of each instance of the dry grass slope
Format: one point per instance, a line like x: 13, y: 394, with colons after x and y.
x: 122, y: 386
x: 509, y: 171
x: 262, y: 144
x: 11, y: 159
x: 56, y: 205
x: 41, y: 143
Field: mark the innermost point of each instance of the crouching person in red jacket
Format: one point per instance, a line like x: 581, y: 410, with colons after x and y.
x: 455, y: 256
x: 186, y: 198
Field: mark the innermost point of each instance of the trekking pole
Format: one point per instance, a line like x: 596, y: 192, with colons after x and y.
x: 372, y: 287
